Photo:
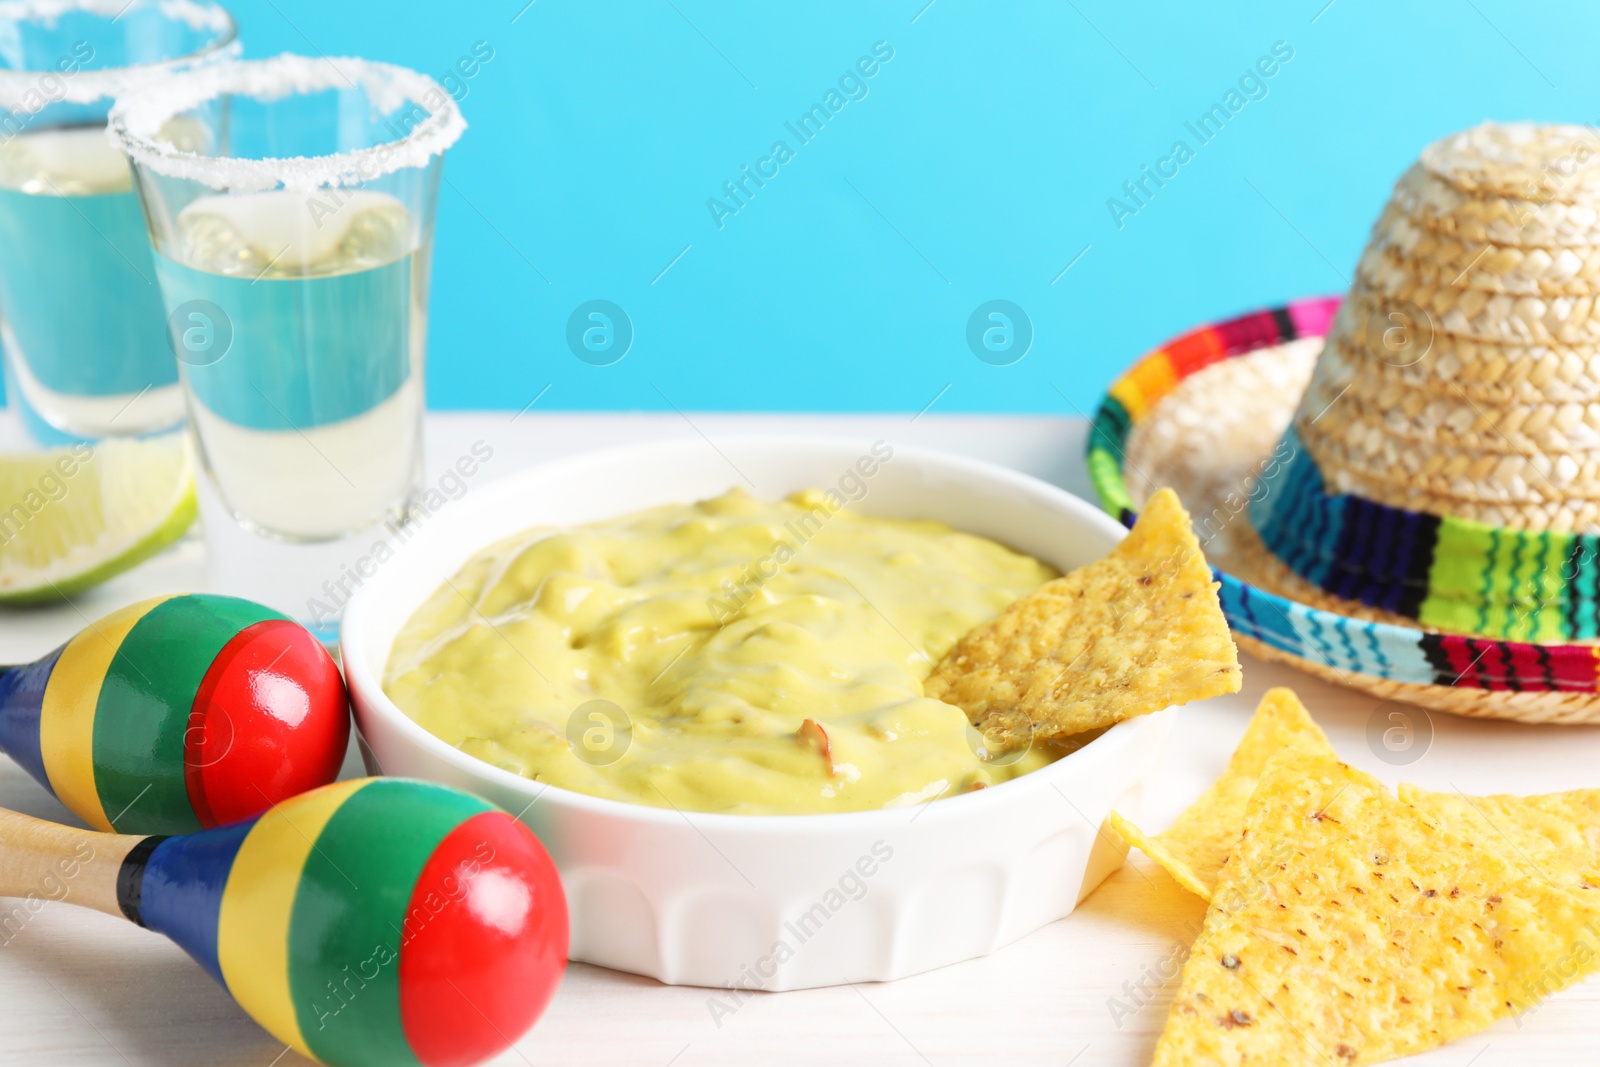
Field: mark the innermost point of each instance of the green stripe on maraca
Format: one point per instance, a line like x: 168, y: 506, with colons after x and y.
x: 139, y: 750
x: 379, y: 840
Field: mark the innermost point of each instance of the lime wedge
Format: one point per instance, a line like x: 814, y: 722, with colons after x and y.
x: 74, y: 517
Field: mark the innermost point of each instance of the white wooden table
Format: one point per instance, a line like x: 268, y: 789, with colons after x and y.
x: 1092, y: 990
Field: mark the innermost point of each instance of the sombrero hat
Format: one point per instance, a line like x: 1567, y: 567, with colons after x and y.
x: 1400, y: 488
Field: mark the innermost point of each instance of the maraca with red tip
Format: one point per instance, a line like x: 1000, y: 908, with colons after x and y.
x: 178, y: 714
x: 378, y: 921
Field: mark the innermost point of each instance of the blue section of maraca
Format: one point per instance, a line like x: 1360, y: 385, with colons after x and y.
x: 181, y: 895
x: 21, y: 698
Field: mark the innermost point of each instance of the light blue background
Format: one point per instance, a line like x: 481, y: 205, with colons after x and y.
x: 977, y: 168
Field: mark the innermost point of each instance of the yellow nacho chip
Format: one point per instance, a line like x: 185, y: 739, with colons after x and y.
x: 1347, y: 929
x: 1555, y: 837
x: 1194, y: 848
x: 1136, y: 632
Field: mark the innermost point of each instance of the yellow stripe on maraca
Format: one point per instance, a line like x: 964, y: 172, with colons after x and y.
x: 253, y: 928
x: 66, y: 719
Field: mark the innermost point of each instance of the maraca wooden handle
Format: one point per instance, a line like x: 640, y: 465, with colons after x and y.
x: 47, y: 861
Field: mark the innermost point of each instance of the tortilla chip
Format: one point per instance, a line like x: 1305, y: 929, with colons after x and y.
x: 1347, y: 929
x: 1555, y: 837
x: 1137, y: 632
x: 1194, y: 848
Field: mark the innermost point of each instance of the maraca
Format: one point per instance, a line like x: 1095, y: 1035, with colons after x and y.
x: 377, y: 921
x: 178, y: 714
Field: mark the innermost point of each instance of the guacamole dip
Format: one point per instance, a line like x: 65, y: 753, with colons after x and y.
x: 732, y: 655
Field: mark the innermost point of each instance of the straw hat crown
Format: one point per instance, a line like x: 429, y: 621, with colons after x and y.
x: 1447, y: 451
x: 1399, y: 489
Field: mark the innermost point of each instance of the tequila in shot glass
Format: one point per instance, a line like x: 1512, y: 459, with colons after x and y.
x: 81, y: 318
x: 290, y: 202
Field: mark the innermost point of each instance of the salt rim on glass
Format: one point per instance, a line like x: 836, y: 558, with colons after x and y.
x: 25, y: 90
x: 137, y: 118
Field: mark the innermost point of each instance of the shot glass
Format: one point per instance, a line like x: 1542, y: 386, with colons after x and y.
x: 81, y: 319
x: 290, y: 203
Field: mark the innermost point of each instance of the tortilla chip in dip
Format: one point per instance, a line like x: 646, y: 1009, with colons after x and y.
x: 1349, y: 929
x: 1139, y: 631
x: 1195, y: 847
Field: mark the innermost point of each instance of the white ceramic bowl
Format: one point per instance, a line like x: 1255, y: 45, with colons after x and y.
x: 779, y: 902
